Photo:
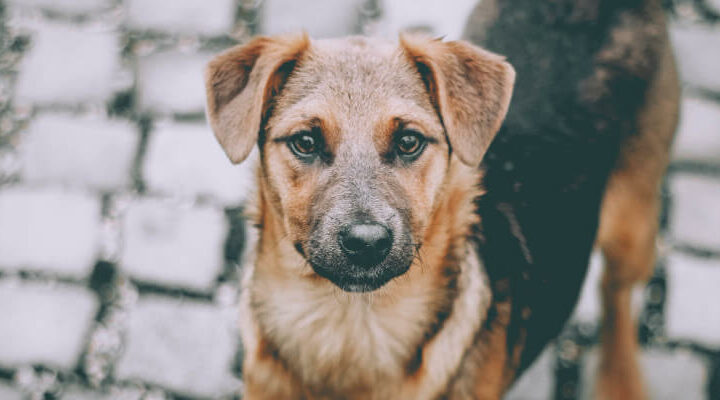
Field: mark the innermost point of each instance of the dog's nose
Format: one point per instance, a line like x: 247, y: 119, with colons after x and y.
x: 366, y: 244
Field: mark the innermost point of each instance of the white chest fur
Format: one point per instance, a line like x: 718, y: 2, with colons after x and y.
x: 335, y: 342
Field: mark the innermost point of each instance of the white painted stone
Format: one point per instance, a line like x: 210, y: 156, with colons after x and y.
x: 185, y: 346
x: 172, y: 82
x: 76, y: 393
x: 44, y: 324
x: 319, y: 18
x: 212, y: 17
x: 79, y: 151
x: 695, y: 217
x: 697, y: 55
x: 130, y: 392
x: 588, y: 308
x: 168, y: 244
x: 186, y: 160
x: 9, y: 393
x: 48, y: 230
x: 64, y: 6
x: 440, y: 17
x: 692, y: 300
x: 67, y: 64
x: 698, y: 136
x: 714, y: 5
x: 668, y: 374
x: 538, y: 381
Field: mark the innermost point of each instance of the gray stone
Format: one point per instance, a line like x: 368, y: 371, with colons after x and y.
x: 714, y: 5
x: 697, y: 55
x: 698, y: 136
x: 668, y: 374
x: 319, y: 18
x: 45, y: 324
x: 692, y: 300
x: 182, y: 16
x: 435, y: 16
x: 185, y: 346
x: 172, y: 82
x: 79, y: 151
x: 588, y: 307
x: 64, y: 6
x: 538, y: 381
x: 695, y: 217
x: 48, y: 230
x: 68, y: 65
x: 9, y: 393
x: 173, y: 245
x: 186, y: 160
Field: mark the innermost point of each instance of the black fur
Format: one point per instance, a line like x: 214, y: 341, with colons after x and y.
x: 550, y: 161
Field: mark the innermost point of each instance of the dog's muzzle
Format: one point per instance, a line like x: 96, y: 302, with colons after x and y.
x: 360, y: 256
x: 365, y: 245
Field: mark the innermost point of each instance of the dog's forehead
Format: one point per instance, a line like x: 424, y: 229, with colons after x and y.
x: 358, y: 79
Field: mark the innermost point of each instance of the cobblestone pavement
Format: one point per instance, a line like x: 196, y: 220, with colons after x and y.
x: 121, y: 226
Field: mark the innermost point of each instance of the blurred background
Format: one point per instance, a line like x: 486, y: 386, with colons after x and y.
x: 121, y: 227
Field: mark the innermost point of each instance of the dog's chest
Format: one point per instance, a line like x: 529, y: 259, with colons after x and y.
x: 343, y: 341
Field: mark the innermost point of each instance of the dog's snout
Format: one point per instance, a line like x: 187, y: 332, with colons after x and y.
x: 366, y: 244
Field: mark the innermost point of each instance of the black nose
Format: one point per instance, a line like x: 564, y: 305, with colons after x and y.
x: 366, y: 244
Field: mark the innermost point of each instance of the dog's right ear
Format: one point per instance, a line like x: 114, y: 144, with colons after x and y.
x: 241, y: 84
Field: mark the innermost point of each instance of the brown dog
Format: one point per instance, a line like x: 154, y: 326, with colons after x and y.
x: 383, y: 270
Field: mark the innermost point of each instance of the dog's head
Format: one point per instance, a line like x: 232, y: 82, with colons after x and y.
x: 356, y: 136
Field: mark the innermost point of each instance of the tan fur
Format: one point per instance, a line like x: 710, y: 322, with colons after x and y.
x: 304, y: 337
x: 425, y: 334
x: 470, y: 86
x: 240, y: 83
x: 383, y: 327
x: 628, y: 228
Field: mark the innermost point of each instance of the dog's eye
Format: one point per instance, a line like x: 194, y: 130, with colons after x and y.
x: 304, y: 144
x: 410, y: 144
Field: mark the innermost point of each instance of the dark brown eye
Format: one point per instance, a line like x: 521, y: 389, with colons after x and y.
x: 409, y: 145
x: 303, y: 145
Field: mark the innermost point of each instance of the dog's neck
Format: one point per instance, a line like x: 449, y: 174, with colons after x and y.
x: 405, y: 340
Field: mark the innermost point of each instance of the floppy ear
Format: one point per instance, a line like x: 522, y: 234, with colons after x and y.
x: 470, y: 87
x: 240, y: 85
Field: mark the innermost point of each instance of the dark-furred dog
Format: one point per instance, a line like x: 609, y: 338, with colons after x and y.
x: 414, y: 246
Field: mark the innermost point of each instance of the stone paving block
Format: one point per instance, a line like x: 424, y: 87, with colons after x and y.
x: 319, y: 18
x: 537, y: 382
x: 668, y: 374
x: 64, y: 6
x: 48, y: 230
x: 698, y: 136
x: 130, y: 392
x: 697, y: 61
x: 44, y: 324
x: 695, y: 217
x: 185, y: 346
x: 9, y: 393
x: 714, y: 5
x: 67, y: 64
x: 588, y: 307
x: 186, y: 160
x: 172, y: 82
x: 79, y: 151
x: 441, y: 20
x: 182, y: 16
x: 692, y: 300
x: 172, y: 245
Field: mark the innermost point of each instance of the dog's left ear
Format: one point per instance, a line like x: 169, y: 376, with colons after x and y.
x: 241, y: 84
x: 470, y: 87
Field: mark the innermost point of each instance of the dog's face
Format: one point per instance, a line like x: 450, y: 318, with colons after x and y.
x: 355, y: 139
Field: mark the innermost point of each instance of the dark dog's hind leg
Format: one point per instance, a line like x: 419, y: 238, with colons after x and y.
x: 628, y: 229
